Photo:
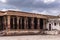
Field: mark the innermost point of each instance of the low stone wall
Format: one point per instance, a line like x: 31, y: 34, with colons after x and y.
x: 51, y: 32
x: 28, y: 32
x: 22, y: 32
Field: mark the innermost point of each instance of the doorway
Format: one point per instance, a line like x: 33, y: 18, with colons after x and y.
x: 49, y: 27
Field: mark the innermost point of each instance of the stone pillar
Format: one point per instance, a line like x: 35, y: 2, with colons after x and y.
x: 18, y: 23
x: 38, y: 23
x: 44, y: 24
x: 5, y: 26
x: 25, y: 22
x: 32, y: 23
x: 21, y: 22
x: 8, y: 22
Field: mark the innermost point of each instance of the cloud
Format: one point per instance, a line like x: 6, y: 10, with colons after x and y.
x: 51, y: 7
x: 3, y: 1
x: 47, y: 12
x: 6, y: 6
x: 48, y: 1
x: 34, y: 4
x: 44, y: 1
x: 38, y: 12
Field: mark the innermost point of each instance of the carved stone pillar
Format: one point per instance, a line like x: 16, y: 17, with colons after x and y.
x: 25, y: 22
x: 38, y: 23
x: 44, y: 24
x: 18, y: 23
x: 8, y: 22
x: 32, y: 23
x: 5, y: 23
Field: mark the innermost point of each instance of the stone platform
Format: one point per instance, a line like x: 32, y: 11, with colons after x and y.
x: 52, y: 32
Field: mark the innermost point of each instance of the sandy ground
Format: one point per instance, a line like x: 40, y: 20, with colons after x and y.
x: 31, y: 37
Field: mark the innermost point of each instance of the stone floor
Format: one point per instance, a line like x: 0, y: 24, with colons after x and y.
x: 31, y: 37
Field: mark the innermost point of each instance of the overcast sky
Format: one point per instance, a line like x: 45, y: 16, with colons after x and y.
x: 51, y: 7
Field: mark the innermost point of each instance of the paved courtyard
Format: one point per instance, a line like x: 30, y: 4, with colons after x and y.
x: 31, y: 37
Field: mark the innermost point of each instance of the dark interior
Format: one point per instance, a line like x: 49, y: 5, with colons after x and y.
x: 11, y: 22
x: 29, y: 23
x: 41, y: 23
x: 22, y: 23
x: 1, y: 23
x: 15, y: 23
x: 13, y: 26
x: 19, y: 23
x: 35, y: 23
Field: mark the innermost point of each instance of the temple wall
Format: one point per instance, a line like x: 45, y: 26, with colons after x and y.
x: 53, y: 26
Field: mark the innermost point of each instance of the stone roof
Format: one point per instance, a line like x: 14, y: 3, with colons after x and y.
x: 21, y: 13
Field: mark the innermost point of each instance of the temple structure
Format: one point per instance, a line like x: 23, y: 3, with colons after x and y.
x: 17, y: 22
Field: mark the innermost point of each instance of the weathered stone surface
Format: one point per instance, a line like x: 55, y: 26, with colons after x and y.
x: 51, y: 32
